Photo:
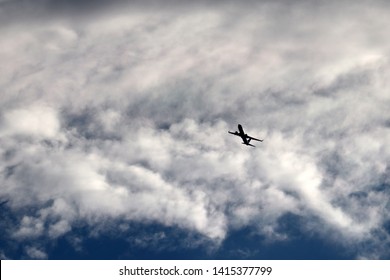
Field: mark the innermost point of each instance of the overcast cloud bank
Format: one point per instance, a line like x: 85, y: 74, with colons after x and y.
x: 125, y: 116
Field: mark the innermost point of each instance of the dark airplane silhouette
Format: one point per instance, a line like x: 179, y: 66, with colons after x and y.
x: 245, y: 137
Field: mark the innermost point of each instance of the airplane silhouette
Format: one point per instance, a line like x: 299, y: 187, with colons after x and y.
x: 245, y: 137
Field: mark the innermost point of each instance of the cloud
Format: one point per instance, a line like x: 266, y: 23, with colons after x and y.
x: 124, y: 116
x: 35, y: 253
x: 35, y: 121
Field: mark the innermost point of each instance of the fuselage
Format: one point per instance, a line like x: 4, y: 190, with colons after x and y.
x: 242, y: 135
x: 241, y: 130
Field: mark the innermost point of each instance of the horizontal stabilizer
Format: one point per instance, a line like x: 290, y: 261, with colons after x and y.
x: 249, y: 144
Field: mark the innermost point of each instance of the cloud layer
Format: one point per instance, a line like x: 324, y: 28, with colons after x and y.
x: 124, y: 116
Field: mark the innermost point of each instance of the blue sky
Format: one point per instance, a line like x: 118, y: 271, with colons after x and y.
x: 114, y: 120
x: 153, y: 241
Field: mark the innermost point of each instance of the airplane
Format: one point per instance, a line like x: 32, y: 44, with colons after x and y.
x: 245, y: 137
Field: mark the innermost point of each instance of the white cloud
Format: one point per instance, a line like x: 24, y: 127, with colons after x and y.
x: 30, y: 227
x: 125, y: 116
x: 3, y: 256
x: 35, y: 120
x: 59, y: 229
x: 35, y: 253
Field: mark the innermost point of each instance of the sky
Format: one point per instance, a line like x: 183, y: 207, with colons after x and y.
x: 114, y: 118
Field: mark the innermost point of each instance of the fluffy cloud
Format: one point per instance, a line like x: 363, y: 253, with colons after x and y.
x: 35, y: 121
x: 124, y: 116
x: 35, y: 253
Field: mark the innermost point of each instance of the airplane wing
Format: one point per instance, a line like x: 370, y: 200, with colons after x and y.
x: 255, y: 139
